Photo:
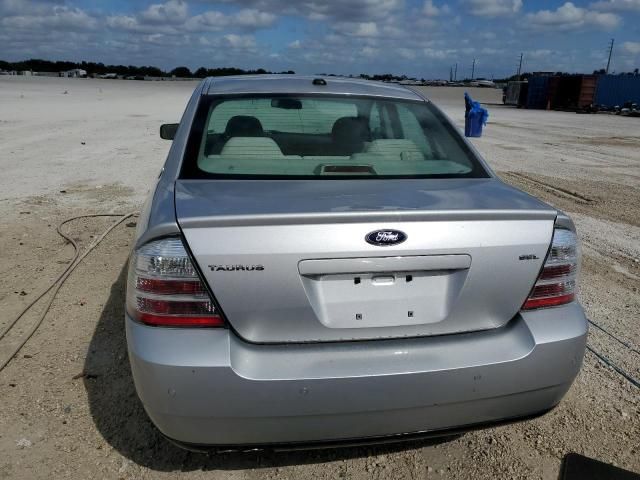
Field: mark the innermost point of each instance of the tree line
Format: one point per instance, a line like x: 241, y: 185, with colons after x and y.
x: 98, y: 68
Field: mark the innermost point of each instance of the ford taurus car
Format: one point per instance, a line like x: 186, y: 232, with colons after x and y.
x: 326, y: 260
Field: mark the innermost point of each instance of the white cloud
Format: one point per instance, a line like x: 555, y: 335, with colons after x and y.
x: 493, y: 8
x: 22, y: 7
x: 252, y: 18
x: 171, y: 12
x: 240, y: 41
x: 247, y: 19
x: 437, y: 54
x: 295, y: 44
x: 631, y: 47
x: 367, y: 29
x: 229, y: 41
x: 133, y: 24
x: 393, y: 31
x: 352, y: 9
x: 122, y: 22
x: 430, y: 10
x: 406, y: 53
x: 357, y: 29
x: 570, y: 17
x: 155, y: 38
x: 58, y: 17
x: 210, y: 20
x: 539, y: 53
x: 172, y: 18
x: 369, y: 52
x: 317, y: 10
x: 617, y: 5
x: 487, y: 35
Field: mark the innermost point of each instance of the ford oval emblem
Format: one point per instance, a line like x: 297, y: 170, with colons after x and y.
x: 385, y: 238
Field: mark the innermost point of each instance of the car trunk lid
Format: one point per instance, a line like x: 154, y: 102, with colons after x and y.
x: 288, y: 260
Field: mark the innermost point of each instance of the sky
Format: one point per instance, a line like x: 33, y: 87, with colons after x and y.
x: 418, y: 38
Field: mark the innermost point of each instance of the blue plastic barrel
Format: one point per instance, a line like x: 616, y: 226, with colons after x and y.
x: 473, y: 124
x: 475, y: 117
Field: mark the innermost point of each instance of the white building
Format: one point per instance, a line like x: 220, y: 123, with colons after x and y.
x: 75, y: 73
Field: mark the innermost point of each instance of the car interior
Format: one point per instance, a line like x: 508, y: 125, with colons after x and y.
x: 315, y: 143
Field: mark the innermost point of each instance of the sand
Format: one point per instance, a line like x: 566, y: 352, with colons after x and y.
x: 72, y: 146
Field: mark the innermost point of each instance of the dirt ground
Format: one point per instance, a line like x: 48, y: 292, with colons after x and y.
x: 68, y: 407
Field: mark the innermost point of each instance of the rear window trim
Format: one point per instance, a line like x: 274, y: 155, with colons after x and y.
x: 189, y: 166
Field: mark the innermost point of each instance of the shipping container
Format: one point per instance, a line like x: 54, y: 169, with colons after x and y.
x: 552, y: 93
x: 572, y: 92
x: 587, y: 91
x: 512, y: 93
x: 538, y: 94
x: 617, y: 90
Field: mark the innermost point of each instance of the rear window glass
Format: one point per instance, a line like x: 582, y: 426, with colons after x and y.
x: 324, y: 137
x: 314, y: 116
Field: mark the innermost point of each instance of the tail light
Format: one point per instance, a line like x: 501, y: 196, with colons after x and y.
x: 556, y: 284
x: 164, y: 289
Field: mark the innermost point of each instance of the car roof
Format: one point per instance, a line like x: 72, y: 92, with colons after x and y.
x: 304, y: 84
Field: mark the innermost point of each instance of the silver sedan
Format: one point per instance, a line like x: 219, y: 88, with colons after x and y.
x: 328, y: 260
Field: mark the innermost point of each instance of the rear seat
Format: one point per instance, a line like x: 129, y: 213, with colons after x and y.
x: 251, y: 147
x: 245, y: 154
x: 402, y: 149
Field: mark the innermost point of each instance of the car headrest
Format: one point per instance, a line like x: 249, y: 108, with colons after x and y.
x: 350, y: 133
x: 244, y: 126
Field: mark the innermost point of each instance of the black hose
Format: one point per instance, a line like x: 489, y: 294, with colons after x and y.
x: 622, y: 342
x: 604, y: 359
x: 59, y: 281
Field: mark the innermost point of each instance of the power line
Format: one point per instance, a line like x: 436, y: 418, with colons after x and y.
x: 610, y: 52
x: 520, y: 66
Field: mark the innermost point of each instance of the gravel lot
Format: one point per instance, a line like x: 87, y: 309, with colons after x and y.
x: 69, y: 410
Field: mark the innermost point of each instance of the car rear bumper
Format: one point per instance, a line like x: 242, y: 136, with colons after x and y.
x: 207, y: 387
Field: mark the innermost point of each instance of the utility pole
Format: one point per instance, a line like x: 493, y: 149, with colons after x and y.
x: 520, y: 66
x: 451, y: 74
x: 473, y: 68
x: 610, y: 52
x: 455, y: 73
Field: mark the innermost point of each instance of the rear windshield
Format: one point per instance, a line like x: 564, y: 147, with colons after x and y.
x: 324, y: 137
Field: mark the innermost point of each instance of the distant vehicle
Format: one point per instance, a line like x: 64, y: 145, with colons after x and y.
x: 410, y: 82
x: 329, y: 261
x: 486, y: 84
x: 108, y: 75
x: 438, y: 83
